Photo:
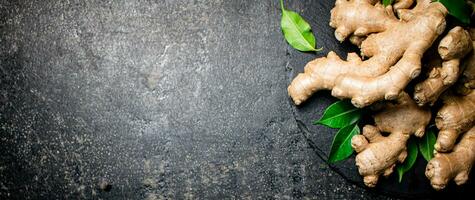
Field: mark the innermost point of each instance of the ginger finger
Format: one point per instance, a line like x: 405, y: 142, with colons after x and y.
x: 468, y: 75
x: 454, y: 165
x: 452, y: 48
x: 456, y: 116
x: 403, y: 4
x: 377, y: 155
x: 407, y: 14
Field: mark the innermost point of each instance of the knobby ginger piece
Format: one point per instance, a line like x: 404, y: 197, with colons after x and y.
x: 395, y: 49
x: 451, y: 50
x: 456, y: 116
x: 377, y: 155
x: 406, y: 14
x: 454, y: 165
x: 467, y: 80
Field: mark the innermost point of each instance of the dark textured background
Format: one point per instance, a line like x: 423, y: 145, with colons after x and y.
x: 154, y: 99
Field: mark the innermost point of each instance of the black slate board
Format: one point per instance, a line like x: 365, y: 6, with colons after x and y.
x: 414, y: 183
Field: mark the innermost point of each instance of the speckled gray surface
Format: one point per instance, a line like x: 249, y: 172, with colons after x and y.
x: 143, y: 99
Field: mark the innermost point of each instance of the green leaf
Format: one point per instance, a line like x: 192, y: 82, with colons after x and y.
x: 458, y: 9
x: 387, y: 2
x: 340, y: 114
x: 341, y: 145
x: 297, y: 31
x: 426, y: 145
x: 410, y: 159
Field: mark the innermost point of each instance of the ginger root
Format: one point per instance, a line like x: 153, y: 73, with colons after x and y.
x: 452, y: 48
x: 455, y: 117
x: 406, y: 14
x: 393, y: 63
x: 468, y: 76
x: 378, y: 154
x: 392, y: 50
x: 453, y: 165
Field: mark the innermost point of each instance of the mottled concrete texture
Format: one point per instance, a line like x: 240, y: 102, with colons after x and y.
x: 152, y: 99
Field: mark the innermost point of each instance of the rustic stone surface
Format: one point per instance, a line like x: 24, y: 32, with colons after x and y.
x: 153, y: 99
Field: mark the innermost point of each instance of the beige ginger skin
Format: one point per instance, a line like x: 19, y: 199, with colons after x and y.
x: 454, y: 118
x: 455, y: 165
x: 392, y: 64
x: 445, y: 67
x: 377, y: 155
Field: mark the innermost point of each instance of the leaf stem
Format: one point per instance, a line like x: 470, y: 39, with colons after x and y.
x: 282, y: 5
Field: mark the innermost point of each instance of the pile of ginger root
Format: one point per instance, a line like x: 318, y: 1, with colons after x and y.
x: 413, y: 68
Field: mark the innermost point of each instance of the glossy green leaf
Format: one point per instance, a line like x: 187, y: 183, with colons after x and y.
x: 387, y: 2
x: 459, y: 9
x: 340, y: 114
x: 426, y: 145
x: 341, y: 145
x: 297, y: 31
x: 410, y: 159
